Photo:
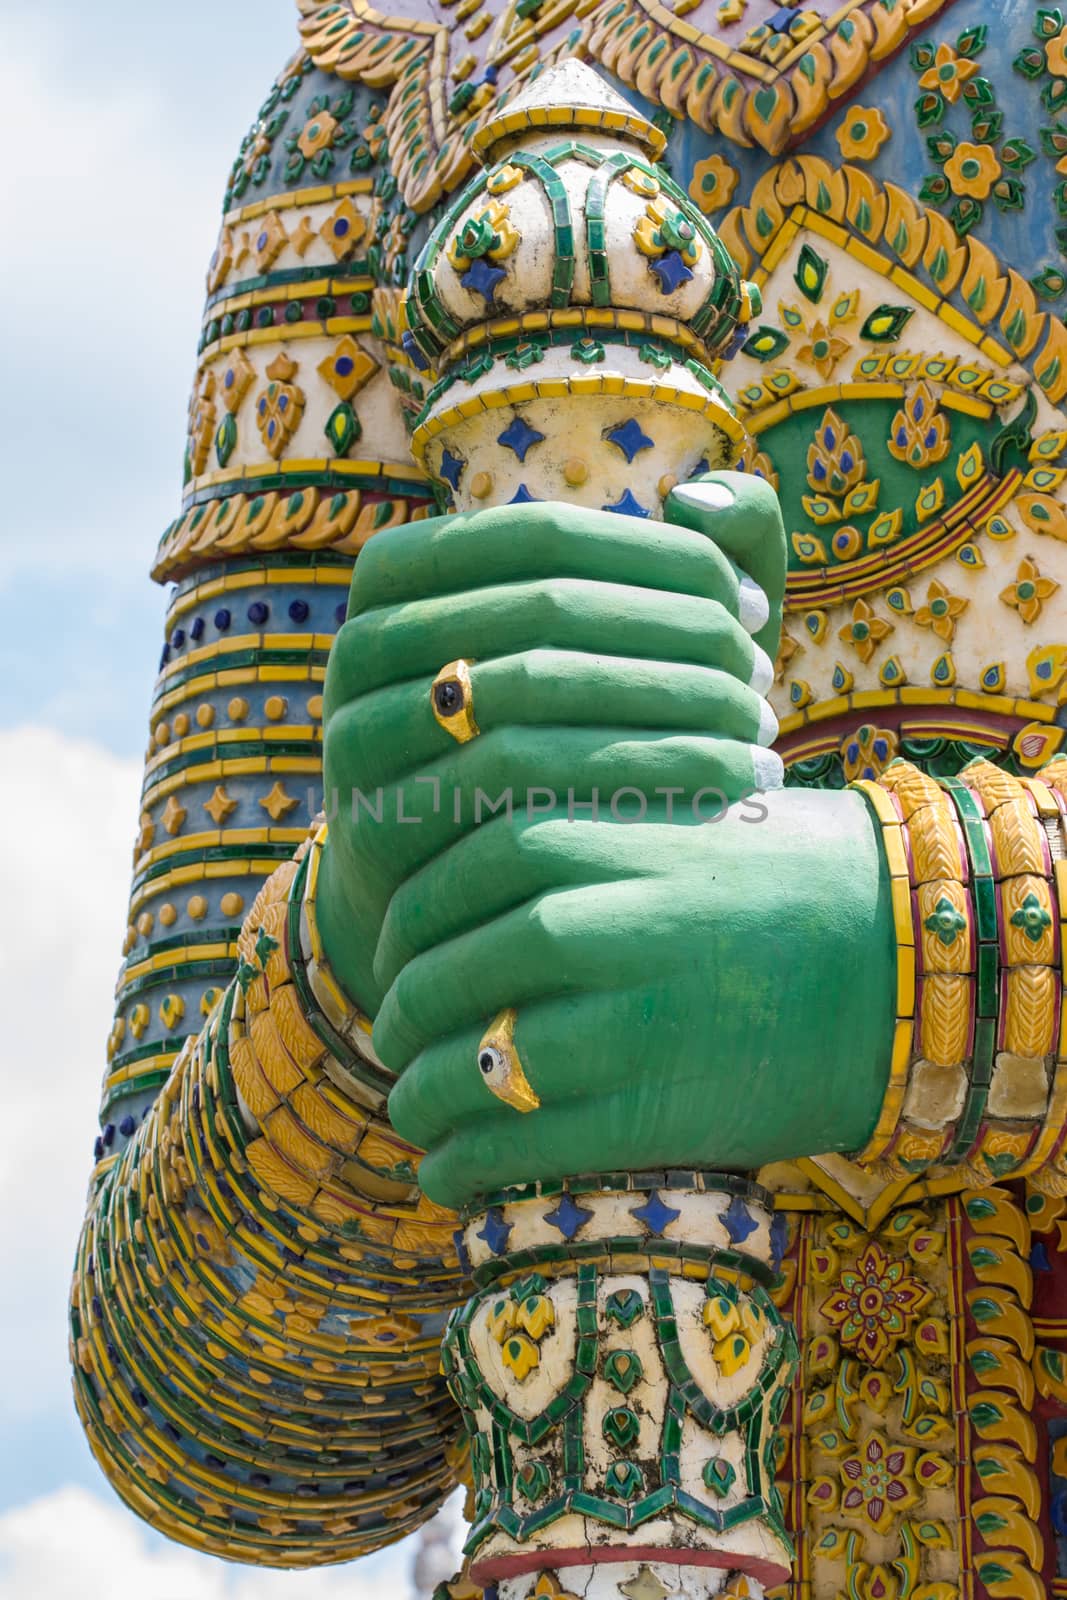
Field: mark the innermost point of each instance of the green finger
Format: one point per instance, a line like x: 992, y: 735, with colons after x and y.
x: 740, y: 513
x: 492, y: 870
x: 515, y: 544
x: 417, y: 640
x: 664, y: 1104
x: 567, y: 941
x: 396, y: 829
x: 396, y: 727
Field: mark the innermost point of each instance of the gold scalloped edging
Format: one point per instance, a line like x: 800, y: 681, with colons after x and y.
x: 245, y: 524
x: 849, y: 207
x: 503, y: 124
x: 574, y: 317
x: 551, y: 388
x: 668, y: 60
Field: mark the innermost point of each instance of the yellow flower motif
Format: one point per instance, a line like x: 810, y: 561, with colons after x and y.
x: 521, y: 1355
x: 940, y: 611
x: 642, y: 183
x: 1029, y: 591
x: 504, y: 178
x: 972, y: 169
x: 662, y: 228
x: 863, y: 133
x: 865, y: 632
x: 536, y: 1316
x: 948, y: 74
x: 713, y: 183
x: 823, y: 350
x: 487, y: 233
x: 317, y: 134
x: 1056, y: 54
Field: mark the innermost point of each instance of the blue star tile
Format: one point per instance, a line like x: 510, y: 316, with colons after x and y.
x: 654, y: 1214
x: 671, y: 271
x: 495, y: 1231
x: 627, y: 506
x: 738, y: 1221
x: 451, y: 468
x: 522, y: 497
x: 779, y: 1238
x: 630, y: 437
x: 485, y: 279
x: 520, y: 437
x: 569, y: 1218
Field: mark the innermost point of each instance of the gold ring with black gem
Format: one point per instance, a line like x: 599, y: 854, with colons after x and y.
x: 452, y: 700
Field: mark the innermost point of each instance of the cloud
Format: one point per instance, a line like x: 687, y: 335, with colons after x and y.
x: 67, y: 814
x: 119, y: 125
x: 74, y: 1545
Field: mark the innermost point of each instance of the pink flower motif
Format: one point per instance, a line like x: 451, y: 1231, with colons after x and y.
x: 879, y: 1481
x: 875, y: 1304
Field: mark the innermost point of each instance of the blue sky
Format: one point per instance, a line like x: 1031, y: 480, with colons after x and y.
x: 118, y: 122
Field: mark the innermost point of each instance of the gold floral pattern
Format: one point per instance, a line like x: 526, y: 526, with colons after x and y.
x: 1029, y: 592
x: 823, y: 349
x: 713, y: 183
x: 865, y: 632
x: 972, y: 169
x: 1056, y: 54
x: 863, y: 133
x: 948, y: 74
x: 941, y: 611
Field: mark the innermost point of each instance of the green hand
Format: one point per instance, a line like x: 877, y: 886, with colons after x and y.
x: 669, y: 986
x: 608, y: 654
x: 664, y: 980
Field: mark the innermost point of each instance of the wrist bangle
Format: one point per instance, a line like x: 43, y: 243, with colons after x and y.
x: 894, y: 844
x: 1016, y: 1118
x: 1046, y: 1169
x: 984, y: 1085
x: 928, y: 1080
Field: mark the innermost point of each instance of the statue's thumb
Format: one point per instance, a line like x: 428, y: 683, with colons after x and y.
x: 740, y: 513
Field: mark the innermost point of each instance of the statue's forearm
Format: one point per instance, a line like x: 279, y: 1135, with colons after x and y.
x: 260, y: 1287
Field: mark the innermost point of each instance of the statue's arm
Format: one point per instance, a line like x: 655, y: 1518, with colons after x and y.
x: 256, y: 1310
x: 877, y: 974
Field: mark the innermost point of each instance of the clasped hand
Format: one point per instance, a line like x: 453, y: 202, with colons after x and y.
x: 532, y: 715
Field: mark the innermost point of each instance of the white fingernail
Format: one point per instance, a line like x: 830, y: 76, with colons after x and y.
x: 762, y: 675
x: 753, y: 607
x: 770, y: 773
x: 768, y: 725
x: 705, y: 496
